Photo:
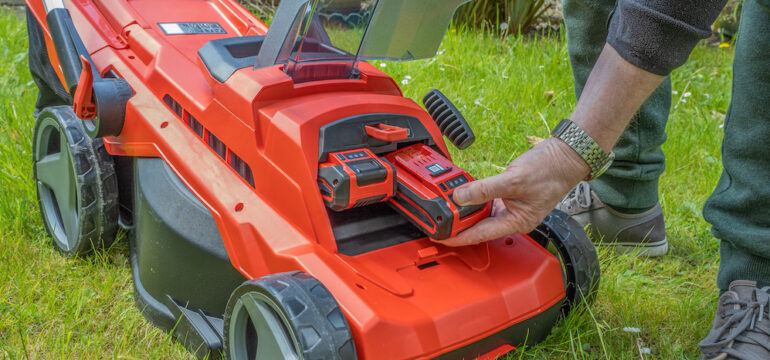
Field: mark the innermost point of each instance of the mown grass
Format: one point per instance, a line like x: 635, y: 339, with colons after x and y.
x: 53, y: 307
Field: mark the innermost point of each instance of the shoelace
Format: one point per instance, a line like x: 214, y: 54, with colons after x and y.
x: 580, y: 194
x: 741, y: 325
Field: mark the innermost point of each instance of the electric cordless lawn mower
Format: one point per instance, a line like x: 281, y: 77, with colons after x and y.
x: 278, y: 190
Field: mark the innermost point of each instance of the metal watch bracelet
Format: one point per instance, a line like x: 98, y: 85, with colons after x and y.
x: 598, y: 160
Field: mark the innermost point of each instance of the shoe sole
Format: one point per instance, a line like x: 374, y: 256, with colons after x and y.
x: 650, y: 249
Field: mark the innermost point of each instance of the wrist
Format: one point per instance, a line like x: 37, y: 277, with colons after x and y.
x: 574, y: 168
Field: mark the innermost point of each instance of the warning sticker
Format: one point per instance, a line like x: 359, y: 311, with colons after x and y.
x: 188, y: 28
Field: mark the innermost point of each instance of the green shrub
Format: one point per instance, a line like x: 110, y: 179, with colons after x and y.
x: 727, y: 23
x: 506, y: 16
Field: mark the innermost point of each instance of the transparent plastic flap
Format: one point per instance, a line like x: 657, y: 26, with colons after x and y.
x: 407, y: 29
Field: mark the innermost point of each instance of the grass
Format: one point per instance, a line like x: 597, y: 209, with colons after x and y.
x: 53, y: 307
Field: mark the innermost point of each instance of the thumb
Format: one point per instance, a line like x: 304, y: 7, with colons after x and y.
x: 484, y: 190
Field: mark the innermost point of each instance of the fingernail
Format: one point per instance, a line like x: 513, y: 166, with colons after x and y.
x: 460, y: 196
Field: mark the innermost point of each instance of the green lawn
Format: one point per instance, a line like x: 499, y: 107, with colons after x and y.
x: 55, y: 308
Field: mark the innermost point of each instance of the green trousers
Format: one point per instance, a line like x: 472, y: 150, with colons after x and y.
x: 739, y: 208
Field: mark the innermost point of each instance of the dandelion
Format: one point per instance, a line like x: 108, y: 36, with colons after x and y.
x: 503, y: 26
x: 724, y: 45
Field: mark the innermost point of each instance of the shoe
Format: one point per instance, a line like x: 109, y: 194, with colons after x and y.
x: 643, y: 234
x: 741, y: 328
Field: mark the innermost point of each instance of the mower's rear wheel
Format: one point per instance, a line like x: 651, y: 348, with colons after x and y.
x: 285, y: 316
x: 77, y: 188
x: 566, y: 239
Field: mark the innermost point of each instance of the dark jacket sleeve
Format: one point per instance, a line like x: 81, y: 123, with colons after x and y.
x: 659, y: 35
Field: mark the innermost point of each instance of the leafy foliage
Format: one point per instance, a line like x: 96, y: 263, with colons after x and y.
x: 506, y: 16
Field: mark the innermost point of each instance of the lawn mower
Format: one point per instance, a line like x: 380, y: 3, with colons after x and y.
x: 278, y: 192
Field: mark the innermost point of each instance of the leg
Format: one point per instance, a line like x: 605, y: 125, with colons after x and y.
x: 739, y: 208
x: 631, y: 184
x: 633, y: 221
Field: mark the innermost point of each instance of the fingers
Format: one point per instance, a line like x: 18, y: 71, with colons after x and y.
x: 485, y: 230
x: 484, y: 190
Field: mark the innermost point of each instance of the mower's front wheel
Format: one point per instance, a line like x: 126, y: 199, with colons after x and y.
x: 285, y: 316
x: 566, y: 239
x: 77, y: 187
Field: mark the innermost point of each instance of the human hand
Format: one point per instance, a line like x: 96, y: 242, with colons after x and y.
x: 524, y: 194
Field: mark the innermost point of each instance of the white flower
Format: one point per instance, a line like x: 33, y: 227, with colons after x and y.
x: 700, y: 76
x: 442, y: 69
x: 722, y: 125
x: 405, y: 82
x: 503, y: 26
x: 645, y: 350
x: 683, y: 100
x: 632, y: 329
x: 383, y: 64
x: 675, y: 92
x: 687, y: 94
x: 478, y: 102
x: 408, y: 77
x: 541, y: 67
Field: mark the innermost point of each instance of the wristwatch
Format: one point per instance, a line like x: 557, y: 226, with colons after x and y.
x: 598, y: 160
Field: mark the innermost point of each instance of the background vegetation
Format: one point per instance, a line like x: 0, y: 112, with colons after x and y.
x: 53, y: 307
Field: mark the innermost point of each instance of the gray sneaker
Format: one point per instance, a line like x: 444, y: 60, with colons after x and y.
x: 741, y: 328
x: 644, y: 234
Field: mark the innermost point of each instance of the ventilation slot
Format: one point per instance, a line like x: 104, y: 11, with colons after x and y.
x: 173, y: 105
x: 195, y: 125
x: 218, y: 146
x: 236, y: 163
x: 242, y: 168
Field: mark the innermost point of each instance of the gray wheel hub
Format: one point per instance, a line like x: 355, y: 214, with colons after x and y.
x: 259, y: 330
x: 57, y: 183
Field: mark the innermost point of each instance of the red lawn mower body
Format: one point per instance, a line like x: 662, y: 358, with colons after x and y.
x: 248, y: 148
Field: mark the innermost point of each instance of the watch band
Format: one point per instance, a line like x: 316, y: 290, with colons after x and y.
x: 598, y: 160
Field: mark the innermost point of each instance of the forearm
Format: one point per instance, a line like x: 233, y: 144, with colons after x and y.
x: 613, y: 93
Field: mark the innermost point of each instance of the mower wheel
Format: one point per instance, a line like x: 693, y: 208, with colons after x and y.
x: 566, y: 239
x: 285, y: 316
x: 77, y: 188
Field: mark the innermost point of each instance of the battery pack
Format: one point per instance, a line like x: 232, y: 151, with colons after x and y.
x: 355, y: 178
x: 425, y: 183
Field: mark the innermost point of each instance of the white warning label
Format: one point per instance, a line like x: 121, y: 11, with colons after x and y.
x: 189, y: 28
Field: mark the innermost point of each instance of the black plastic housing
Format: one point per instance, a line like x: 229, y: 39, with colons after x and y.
x: 182, y: 273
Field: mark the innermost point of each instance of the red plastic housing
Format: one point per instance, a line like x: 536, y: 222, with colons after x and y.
x: 355, y: 178
x: 426, y: 183
x: 247, y: 148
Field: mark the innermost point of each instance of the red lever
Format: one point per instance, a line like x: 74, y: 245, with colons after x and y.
x: 83, y: 103
x: 386, y: 132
